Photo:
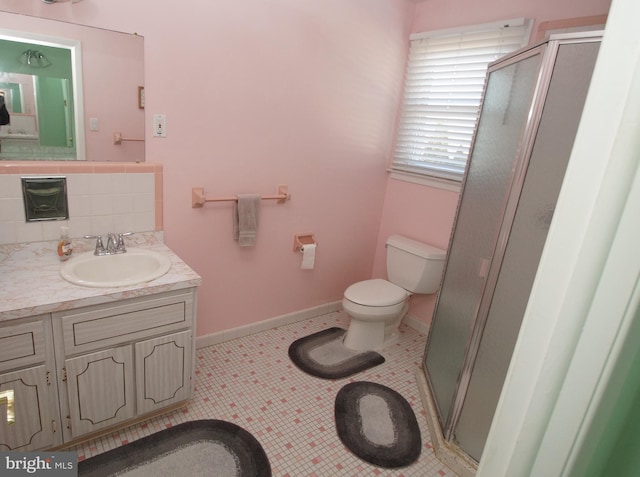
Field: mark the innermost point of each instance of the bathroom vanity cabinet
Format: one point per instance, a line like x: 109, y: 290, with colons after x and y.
x: 81, y: 371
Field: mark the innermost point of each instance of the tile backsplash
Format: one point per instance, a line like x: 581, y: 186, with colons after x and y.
x: 103, y: 197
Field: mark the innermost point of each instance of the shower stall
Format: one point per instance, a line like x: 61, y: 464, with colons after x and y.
x: 530, y: 112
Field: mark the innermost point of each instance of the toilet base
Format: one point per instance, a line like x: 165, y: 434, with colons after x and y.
x: 364, y: 336
x: 367, y: 335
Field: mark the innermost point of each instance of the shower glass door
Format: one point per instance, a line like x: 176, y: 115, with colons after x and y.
x: 503, y: 306
x: 496, y: 150
x: 530, y: 115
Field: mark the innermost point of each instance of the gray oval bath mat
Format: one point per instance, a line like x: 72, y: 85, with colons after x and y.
x: 377, y: 424
x: 205, y: 447
x: 323, y: 355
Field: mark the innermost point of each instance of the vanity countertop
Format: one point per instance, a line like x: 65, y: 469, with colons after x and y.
x: 30, y: 281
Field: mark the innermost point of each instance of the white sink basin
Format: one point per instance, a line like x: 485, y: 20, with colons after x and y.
x: 125, y: 269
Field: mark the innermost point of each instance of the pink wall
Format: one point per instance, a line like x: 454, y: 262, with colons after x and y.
x: 297, y: 92
x: 427, y: 214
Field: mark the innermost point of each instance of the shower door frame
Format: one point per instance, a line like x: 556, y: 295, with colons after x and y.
x: 548, y: 51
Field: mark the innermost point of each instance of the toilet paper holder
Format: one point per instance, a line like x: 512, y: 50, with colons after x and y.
x: 300, y: 240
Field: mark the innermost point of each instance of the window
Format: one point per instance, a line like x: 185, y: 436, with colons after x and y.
x: 443, y: 90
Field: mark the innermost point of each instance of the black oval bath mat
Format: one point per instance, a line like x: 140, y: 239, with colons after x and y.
x: 205, y: 447
x: 323, y: 355
x: 377, y: 424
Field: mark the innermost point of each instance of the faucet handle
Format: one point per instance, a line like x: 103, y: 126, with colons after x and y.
x: 100, y: 250
x: 120, y: 247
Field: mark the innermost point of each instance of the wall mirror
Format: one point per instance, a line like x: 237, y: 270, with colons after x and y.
x: 69, y: 90
x: 41, y: 89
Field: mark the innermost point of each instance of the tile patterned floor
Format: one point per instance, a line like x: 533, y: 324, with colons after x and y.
x: 251, y: 382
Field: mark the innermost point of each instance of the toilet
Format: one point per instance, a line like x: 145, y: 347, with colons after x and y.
x: 377, y: 306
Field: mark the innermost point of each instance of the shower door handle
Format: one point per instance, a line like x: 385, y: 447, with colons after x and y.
x: 483, y: 268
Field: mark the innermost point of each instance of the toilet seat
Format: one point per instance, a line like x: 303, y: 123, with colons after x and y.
x: 376, y: 292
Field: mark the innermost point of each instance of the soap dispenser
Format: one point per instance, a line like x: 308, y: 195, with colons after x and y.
x: 65, y: 247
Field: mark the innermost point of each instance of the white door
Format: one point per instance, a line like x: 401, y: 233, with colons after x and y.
x: 163, y: 371
x: 100, y: 388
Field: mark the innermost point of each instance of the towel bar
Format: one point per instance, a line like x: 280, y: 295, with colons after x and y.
x: 198, y: 198
x: 117, y: 138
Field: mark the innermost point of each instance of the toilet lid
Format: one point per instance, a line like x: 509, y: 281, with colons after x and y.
x: 376, y: 292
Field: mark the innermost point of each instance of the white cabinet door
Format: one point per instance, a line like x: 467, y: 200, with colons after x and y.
x: 100, y: 389
x: 33, y: 427
x: 163, y: 371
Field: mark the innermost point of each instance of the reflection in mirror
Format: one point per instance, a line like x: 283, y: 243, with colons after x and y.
x: 41, y: 92
x: 68, y: 89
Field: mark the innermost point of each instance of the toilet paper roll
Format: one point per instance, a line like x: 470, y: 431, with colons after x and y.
x: 308, y: 256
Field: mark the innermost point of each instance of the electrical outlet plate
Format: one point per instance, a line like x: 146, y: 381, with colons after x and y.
x: 159, y: 125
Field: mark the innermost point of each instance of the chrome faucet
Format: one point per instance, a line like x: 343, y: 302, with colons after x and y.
x: 111, y: 243
x: 115, y: 243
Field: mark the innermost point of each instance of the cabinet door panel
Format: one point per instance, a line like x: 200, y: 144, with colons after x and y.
x: 33, y: 426
x: 163, y: 371
x: 100, y: 388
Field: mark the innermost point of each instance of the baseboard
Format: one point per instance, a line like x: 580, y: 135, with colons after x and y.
x: 226, y: 335
x: 241, y: 331
x: 416, y: 323
x: 447, y: 453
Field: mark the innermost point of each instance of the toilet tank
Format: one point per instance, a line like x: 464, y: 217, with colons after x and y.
x: 414, y: 266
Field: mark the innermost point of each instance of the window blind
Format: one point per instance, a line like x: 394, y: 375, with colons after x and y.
x: 443, y: 90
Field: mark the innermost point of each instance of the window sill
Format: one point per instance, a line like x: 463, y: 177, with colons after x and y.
x: 425, y: 180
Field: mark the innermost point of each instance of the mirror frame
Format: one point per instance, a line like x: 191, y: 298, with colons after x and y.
x: 75, y: 47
